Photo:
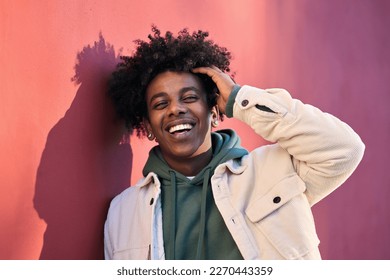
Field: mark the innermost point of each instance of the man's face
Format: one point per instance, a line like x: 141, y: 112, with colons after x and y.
x: 179, y: 116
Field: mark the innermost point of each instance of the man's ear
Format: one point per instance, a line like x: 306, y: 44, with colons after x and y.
x: 149, y: 130
x: 147, y: 125
x: 215, y: 116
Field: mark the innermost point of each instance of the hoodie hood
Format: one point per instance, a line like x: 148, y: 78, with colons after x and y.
x: 188, y: 202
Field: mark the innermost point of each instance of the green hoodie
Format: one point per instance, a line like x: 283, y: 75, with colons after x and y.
x: 193, y: 228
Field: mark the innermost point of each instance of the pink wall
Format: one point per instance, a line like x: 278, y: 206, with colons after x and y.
x: 63, y: 154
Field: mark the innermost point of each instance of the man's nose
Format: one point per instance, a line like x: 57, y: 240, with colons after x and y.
x: 176, y: 108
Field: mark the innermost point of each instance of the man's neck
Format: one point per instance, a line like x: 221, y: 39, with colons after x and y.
x: 190, y: 166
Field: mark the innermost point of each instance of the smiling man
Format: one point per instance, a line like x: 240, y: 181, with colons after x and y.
x: 180, y: 119
x: 203, y: 196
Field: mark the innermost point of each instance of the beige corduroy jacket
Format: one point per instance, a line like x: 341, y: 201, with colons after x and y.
x: 265, y: 199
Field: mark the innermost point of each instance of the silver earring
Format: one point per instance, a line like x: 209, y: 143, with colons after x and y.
x: 215, y: 123
x: 150, y: 136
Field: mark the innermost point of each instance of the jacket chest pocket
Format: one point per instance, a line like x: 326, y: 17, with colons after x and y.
x: 284, y: 217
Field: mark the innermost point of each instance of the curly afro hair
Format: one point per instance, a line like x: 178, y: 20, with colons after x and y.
x: 129, y: 81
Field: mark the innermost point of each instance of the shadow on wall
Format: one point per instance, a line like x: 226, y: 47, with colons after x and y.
x: 87, y: 160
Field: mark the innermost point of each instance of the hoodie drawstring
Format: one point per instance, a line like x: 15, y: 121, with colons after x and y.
x: 203, y: 206
x: 172, y: 235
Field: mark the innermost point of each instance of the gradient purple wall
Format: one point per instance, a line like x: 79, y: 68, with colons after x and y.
x: 63, y: 153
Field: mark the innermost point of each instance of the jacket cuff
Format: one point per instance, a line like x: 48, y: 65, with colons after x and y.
x: 231, y: 100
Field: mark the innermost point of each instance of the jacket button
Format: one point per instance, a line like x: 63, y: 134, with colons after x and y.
x: 244, y: 102
x: 151, y: 201
x: 277, y: 199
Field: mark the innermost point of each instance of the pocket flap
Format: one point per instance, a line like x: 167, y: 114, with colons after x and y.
x: 276, y: 197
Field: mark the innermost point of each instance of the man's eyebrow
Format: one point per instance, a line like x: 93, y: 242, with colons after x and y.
x: 157, y: 95
x: 191, y: 88
x: 181, y: 91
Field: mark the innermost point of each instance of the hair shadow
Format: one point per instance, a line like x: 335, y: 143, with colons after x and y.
x: 87, y: 160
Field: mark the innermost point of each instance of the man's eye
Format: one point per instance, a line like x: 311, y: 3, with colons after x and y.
x: 190, y: 98
x: 160, y: 105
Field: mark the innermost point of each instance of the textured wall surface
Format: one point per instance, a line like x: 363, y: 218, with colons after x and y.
x: 64, y: 155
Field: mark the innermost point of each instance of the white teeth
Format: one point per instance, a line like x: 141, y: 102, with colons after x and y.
x: 180, y: 127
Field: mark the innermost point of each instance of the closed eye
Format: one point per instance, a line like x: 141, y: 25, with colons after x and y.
x: 160, y: 105
x: 190, y: 99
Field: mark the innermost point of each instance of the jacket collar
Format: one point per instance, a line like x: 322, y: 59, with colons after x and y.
x: 234, y: 166
x: 151, y: 178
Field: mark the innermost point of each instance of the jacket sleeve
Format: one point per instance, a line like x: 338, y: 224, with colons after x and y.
x: 325, y: 151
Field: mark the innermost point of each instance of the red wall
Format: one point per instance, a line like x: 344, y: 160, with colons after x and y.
x: 63, y: 153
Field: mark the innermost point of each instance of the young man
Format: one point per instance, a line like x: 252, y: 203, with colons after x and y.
x: 203, y: 196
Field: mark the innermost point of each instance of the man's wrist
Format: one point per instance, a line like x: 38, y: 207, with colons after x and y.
x: 231, y: 100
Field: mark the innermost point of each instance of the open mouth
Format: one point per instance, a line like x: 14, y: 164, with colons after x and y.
x: 180, y: 128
